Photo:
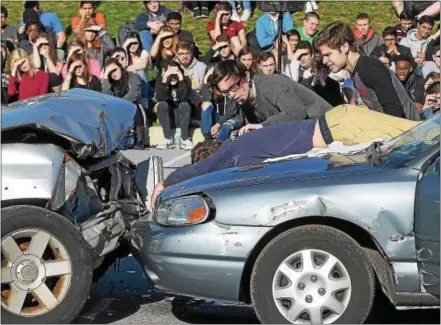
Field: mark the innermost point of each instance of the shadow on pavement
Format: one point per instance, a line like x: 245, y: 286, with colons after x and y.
x: 196, y: 311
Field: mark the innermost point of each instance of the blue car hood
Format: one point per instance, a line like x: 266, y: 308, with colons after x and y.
x: 94, y: 123
x: 301, y: 168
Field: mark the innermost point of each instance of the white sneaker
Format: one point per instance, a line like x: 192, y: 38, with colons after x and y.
x: 168, y: 144
x: 235, y: 16
x: 314, y: 5
x: 246, y: 15
x: 186, y: 144
x: 308, y: 7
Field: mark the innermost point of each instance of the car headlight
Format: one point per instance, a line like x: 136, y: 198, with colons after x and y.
x: 182, y: 211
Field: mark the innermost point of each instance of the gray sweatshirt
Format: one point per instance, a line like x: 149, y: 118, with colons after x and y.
x: 279, y: 99
x: 415, y: 44
x: 134, y: 88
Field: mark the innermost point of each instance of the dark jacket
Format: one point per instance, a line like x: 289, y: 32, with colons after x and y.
x: 165, y: 92
x: 134, y: 88
x: 414, y: 86
x: 146, y: 16
x: 404, y: 51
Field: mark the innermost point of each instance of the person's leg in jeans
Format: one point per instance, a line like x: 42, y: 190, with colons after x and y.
x: 163, y: 112
x: 184, y: 119
x: 144, y: 89
x: 146, y: 40
x: 206, y: 118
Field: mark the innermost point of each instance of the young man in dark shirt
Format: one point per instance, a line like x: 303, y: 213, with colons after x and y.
x: 274, y: 98
x: 377, y: 85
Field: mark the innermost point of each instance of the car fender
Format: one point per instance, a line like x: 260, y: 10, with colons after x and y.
x: 37, y: 171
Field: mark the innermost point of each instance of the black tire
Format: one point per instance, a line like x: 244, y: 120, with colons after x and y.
x: 22, y: 217
x: 320, y: 237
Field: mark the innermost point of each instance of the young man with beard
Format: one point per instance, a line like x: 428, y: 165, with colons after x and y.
x: 9, y: 33
x: 193, y: 68
x: 348, y: 124
x: 377, y: 85
x: 273, y: 98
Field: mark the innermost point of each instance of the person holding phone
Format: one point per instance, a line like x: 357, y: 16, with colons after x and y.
x: 78, y: 74
x: 45, y: 58
x: 25, y: 79
x: 78, y: 47
x: 432, y: 101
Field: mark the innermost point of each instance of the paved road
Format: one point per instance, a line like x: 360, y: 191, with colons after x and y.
x: 123, y: 295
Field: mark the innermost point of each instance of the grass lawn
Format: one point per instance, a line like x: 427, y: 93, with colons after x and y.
x: 118, y: 12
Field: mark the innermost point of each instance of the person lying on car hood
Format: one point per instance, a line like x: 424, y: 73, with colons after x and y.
x: 349, y: 124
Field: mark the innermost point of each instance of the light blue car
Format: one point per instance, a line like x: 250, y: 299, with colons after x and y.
x: 309, y: 240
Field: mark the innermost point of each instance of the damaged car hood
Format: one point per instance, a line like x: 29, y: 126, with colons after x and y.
x: 92, y: 122
x: 281, y: 171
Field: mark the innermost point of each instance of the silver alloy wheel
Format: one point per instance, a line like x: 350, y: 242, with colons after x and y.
x: 36, y: 272
x: 311, y: 286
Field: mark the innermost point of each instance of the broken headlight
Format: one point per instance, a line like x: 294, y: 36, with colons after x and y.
x: 182, y: 211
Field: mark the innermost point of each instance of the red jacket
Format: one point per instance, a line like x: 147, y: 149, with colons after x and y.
x: 29, y: 86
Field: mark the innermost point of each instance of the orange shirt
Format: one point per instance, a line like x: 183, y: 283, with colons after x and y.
x: 98, y: 16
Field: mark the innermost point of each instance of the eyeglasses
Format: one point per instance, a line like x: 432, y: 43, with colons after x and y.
x: 234, y: 87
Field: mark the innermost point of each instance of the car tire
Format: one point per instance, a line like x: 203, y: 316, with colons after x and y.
x: 69, y: 283
x: 337, y: 248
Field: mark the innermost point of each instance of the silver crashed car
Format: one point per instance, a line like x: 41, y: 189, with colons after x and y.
x: 69, y: 197
x: 307, y: 240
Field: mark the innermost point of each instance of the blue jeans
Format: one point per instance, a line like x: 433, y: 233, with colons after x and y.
x: 144, y: 89
x: 246, y: 4
x: 209, y: 118
x: 146, y: 40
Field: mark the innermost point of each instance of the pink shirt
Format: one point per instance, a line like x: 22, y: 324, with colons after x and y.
x: 94, y: 69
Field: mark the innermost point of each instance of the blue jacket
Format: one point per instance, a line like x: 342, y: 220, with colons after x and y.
x: 267, y: 29
x: 143, y: 18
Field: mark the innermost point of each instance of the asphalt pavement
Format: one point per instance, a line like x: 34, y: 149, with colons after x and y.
x: 123, y: 295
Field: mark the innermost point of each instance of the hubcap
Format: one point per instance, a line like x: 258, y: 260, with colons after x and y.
x: 311, y: 286
x: 36, y: 272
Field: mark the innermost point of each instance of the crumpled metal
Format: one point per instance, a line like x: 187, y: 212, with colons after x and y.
x: 94, y: 123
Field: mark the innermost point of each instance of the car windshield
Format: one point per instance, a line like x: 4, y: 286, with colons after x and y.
x: 411, y: 144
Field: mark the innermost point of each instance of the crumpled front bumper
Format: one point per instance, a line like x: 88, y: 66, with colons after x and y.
x: 205, y: 260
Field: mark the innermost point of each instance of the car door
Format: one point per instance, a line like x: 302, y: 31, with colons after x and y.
x: 426, y: 227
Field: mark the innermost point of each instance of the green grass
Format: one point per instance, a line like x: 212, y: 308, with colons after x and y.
x: 117, y: 13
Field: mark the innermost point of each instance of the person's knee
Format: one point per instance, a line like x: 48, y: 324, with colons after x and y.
x: 184, y: 107
x: 162, y: 106
x: 206, y: 105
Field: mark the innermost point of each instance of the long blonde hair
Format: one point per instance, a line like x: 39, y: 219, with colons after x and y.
x: 21, y: 54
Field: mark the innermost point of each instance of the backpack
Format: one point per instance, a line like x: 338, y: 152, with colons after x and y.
x: 123, y: 31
